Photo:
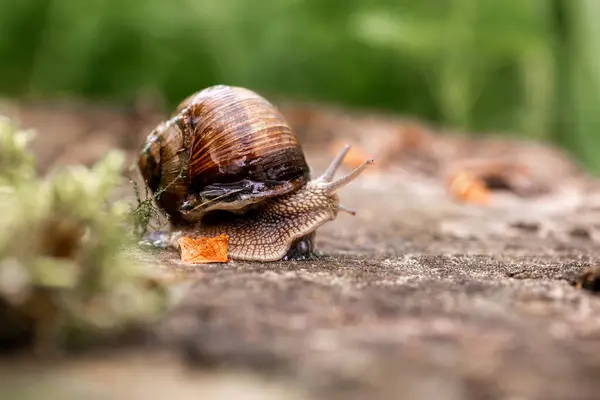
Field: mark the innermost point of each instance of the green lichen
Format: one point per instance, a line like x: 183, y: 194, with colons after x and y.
x: 16, y: 164
x: 145, y: 214
x: 64, y: 271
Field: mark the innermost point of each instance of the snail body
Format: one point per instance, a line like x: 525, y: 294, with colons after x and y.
x: 227, y: 162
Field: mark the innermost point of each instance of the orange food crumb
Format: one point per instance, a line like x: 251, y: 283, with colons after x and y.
x: 204, y: 250
x: 466, y: 187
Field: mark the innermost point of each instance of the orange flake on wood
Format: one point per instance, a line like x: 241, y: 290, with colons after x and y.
x: 204, y: 250
x: 466, y: 187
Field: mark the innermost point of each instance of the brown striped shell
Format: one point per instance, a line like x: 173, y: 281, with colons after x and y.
x: 225, y: 148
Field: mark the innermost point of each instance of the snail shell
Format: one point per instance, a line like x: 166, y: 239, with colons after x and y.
x: 225, y: 148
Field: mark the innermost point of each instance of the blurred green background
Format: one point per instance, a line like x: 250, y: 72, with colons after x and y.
x: 524, y: 67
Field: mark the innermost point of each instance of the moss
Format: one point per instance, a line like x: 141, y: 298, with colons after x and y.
x: 64, y: 272
x: 145, y: 215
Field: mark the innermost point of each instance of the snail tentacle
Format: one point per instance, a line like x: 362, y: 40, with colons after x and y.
x: 345, y: 209
x: 334, y: 186
x: 335, y: 164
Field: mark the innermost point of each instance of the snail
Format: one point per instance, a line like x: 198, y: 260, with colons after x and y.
x: 227, y: 162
